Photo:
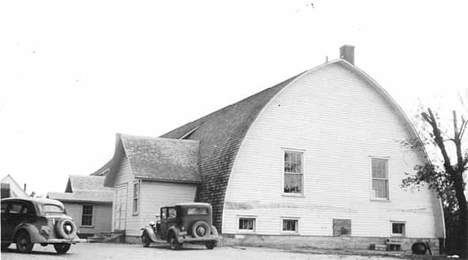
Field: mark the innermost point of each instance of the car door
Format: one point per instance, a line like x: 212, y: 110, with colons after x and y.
x: 4, y: 221
x: 168, y: 218
x: 12, y: 217
x: 163, y: 226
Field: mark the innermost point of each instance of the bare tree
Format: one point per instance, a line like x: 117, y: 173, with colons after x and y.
x: 448, y: 180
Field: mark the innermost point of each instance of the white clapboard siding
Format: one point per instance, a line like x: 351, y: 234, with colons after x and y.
x: 102, y: 217
x: 153, y: 195
x: 339, y: 122
x: 124, y: 177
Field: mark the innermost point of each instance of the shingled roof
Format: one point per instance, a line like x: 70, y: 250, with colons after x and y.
x: 84, y: 188
x: 83, y: 196
x: 156, y: 159
x: 84, y: 182
x: 220, y: 134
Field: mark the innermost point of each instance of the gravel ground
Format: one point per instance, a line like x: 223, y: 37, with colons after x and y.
x: 134, y: 251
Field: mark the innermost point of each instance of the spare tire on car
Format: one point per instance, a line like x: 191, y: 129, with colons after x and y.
x: 66, y: 229
x: 201, y: 229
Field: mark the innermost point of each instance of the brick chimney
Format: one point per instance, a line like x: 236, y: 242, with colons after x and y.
x: 347, y: 53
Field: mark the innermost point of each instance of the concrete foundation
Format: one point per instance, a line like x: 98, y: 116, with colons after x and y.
x: 318, y: 242
x: 325, y: 242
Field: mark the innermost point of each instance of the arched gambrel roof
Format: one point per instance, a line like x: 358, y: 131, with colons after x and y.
x: 222, y: 132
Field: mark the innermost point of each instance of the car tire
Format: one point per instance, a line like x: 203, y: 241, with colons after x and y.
x: 145, y: 239
x: 61, y: 229
x: 210, y: 245
x: 23, y: 242
x: 62, y: 248
x: 201, y: 229
x: 173, y: 243
x: 5, y: 246
x: 419, y: 248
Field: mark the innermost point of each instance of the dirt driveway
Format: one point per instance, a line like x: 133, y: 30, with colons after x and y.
x: 133, y: 251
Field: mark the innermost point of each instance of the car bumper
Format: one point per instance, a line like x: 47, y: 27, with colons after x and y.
x: 184, y: 239
x: 43, y: 240
x: 65, y: 241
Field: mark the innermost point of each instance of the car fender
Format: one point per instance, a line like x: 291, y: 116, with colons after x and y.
x: 34, y: 233
x: 214, y: 231
x: 150, y: 233
x: 176, y: 233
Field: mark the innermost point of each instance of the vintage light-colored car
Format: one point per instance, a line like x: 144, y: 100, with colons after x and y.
x: 26, y: 221
x: 182, y: 223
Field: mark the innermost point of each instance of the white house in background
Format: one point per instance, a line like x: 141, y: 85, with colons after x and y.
x: 148, y: 173
x: 89, y: 203
x: 10, y: 188
x: 314, y: 160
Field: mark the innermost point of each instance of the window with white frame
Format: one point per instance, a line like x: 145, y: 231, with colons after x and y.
x: 87, y: 215
x: 247, y: 224
x: 136, y: 197
x: 380, y: 179
x: 398, y: 228
x: 290, y: 225
x: 293, y: 172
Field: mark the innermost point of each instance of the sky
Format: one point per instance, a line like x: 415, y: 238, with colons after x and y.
x: 75, y: 73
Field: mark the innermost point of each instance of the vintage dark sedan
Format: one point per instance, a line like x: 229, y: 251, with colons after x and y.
x: 26, y: 221
x: 183, y: 223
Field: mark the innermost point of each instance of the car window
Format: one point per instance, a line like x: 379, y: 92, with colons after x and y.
x: 49, y: 208
x: 171, y: 213
x: 4, y: 205
x: 197, y: 211
x: 16, y: 208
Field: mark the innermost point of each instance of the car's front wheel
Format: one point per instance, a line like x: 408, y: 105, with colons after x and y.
x: 210, y: 245
x: 145, y: 240
x: 62, y: 248
x: 174, y: 244
x: 23, y: 242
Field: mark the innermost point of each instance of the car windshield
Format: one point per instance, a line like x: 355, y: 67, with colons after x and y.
x: 49, y: 208
x: 197, y: 211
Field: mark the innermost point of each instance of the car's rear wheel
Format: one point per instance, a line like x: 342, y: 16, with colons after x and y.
x: 173, y: 243
x: 62, y: 248
x: 210, y: 245
x: 5, y: 246
x: 145, y: 240
x: 23, y: 242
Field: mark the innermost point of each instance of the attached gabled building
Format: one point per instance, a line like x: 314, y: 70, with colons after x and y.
x: 89, y: 203
x: 315, y: 159
x: 148, y: 173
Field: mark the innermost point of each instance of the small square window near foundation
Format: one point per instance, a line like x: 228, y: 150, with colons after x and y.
x: 398, y: 228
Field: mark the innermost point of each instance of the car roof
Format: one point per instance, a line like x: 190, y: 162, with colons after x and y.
x: 187, y: 204
x: 36, y: 200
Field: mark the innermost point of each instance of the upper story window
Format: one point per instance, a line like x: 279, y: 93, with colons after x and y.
x: 380, y: 179
x: 293, y: 172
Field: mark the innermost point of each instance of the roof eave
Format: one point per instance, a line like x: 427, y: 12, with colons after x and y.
x: 144, y: 178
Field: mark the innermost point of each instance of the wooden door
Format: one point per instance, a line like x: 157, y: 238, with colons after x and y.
x: 120, y: 207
